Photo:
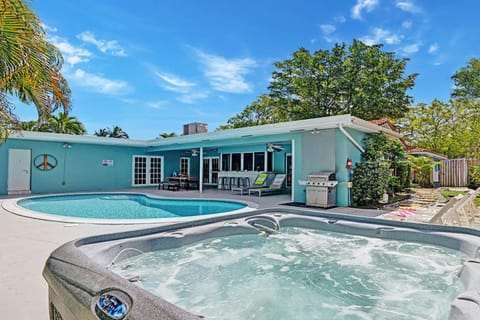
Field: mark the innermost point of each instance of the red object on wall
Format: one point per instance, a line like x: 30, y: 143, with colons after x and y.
x: 349, y: 163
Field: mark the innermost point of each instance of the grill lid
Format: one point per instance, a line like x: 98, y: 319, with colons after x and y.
x: 324, y: 176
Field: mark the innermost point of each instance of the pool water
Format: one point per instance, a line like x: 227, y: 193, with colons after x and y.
x: 126, y: 206
x: 303, y: 274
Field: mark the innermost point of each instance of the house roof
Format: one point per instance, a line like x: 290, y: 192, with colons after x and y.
x: 346, y: 121
x: 425, y: 153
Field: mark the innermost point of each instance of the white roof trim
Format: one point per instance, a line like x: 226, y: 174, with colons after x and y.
x: 71, y: 138
x: 347, y: 121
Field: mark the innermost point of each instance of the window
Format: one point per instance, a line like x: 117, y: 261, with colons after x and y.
x: 140, y: 170
x: 270, y: 161
x: 184, y: 166
x: 259, y: 161
x: 248, y: 161
x: 236, y: 162
x: 226, y: 162
x: 146, y: 170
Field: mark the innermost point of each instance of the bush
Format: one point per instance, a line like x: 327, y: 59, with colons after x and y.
x: 475, y: 177
x: 369, y: 182
x: 394, y: 184
x: 403, y: 173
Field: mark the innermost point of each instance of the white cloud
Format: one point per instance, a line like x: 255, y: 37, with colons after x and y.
x: 160, y: 104
x: 361, y: 5
x: 433, y: 48
x: 98, y: 83
x: 226, y: 75
x: 172, y: 82
x: 327, y: 28
x: 339, y: 19
x: 193, y: 97
x: 106, y: 46
x: 411, y: 48
x: 48, y: 28
x: 407, y: 6
x: 380, y: 35
x: 407, y: 24
x: 71, y: 54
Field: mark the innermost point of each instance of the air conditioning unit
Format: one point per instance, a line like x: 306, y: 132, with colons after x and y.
x: 194, y: 127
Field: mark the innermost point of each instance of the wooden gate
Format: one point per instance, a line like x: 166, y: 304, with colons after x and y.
x: 456, y: 172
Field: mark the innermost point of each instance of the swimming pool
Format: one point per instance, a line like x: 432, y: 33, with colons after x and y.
x: 122, y: 208
x: 288, y: 263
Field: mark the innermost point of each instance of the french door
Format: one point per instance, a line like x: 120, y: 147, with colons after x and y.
x: 147, y: 170
x: 210, y: 170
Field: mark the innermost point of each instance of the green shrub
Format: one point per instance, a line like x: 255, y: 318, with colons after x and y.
x: 394, y: 184
x: 403, y: 173
x: 474, y: 177
x: 369, y: 182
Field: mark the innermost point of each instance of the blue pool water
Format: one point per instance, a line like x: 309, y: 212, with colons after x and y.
x: 126, y: 206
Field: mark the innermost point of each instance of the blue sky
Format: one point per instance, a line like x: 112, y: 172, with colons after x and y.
x: 150, y: 66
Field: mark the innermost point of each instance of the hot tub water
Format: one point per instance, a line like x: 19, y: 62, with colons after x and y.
x: 303, y: 274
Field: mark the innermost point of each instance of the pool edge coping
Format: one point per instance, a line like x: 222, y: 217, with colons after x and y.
x: 12, y: 206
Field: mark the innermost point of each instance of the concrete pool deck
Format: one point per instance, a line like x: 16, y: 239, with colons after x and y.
x: 25, y: 245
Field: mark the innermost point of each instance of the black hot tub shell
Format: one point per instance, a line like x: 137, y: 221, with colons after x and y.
x: 82, y: 287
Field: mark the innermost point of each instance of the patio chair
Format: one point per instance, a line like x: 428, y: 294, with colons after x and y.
x: 260, y: 181
x: 274, y: 187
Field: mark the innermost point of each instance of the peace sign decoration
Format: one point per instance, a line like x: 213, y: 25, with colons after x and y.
x: 45, y: 162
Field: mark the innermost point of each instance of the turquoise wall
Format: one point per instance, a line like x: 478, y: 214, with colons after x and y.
x: 83, y: 170
x: 344, y: 150
x: 79, y: 168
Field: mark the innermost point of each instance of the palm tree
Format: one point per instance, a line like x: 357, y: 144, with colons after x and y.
x: 102, y: 133
x: 63, y: 123
x: 167, y: 135
x: 116, y: 132
x: 29, y: 66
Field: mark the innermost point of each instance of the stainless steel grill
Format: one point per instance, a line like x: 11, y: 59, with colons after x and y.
x: 321, y: 189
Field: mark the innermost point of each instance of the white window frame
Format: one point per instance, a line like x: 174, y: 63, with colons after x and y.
x: 180, y: 165
x: 148, y: 170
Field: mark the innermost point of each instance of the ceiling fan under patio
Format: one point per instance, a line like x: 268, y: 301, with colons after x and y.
x: 274, y: 147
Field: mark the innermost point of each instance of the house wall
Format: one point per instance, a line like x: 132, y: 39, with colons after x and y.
x: 344, y: 150
x: 83, y: 171
x: 79, y: 168
x: 313, y: 153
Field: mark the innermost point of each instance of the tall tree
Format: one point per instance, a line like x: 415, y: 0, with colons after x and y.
x: 429, y: 126
x: 258, y: 113
x: 361, y: 80
x: 63, y: 123
x: 467, y: 81
x: 29, y: 66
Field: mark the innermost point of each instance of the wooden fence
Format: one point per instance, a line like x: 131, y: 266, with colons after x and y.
x: 455, y: 172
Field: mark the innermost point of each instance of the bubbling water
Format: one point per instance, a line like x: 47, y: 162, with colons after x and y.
x: 303, y: 274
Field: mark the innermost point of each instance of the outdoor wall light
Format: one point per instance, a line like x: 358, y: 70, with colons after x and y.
x: 67, y: 145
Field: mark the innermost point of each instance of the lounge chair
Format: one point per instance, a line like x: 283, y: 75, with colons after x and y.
x: 260, y: 181
x: 274, y: 187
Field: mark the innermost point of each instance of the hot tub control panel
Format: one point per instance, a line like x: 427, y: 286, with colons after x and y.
x: 110, y: 307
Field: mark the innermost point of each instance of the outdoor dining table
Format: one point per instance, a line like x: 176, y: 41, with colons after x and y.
x: 184, y: 180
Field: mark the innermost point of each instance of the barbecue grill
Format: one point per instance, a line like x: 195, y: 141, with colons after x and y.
x: 321, y: 189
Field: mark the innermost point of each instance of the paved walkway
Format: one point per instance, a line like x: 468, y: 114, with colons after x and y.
x: 422, y: 206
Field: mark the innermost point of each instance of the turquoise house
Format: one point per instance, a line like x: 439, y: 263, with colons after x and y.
x: 36, y: 162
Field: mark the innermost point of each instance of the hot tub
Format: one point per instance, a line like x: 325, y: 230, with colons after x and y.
x: 99, y: 278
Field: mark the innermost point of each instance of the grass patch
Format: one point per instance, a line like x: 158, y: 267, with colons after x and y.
x: 452, y: 193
